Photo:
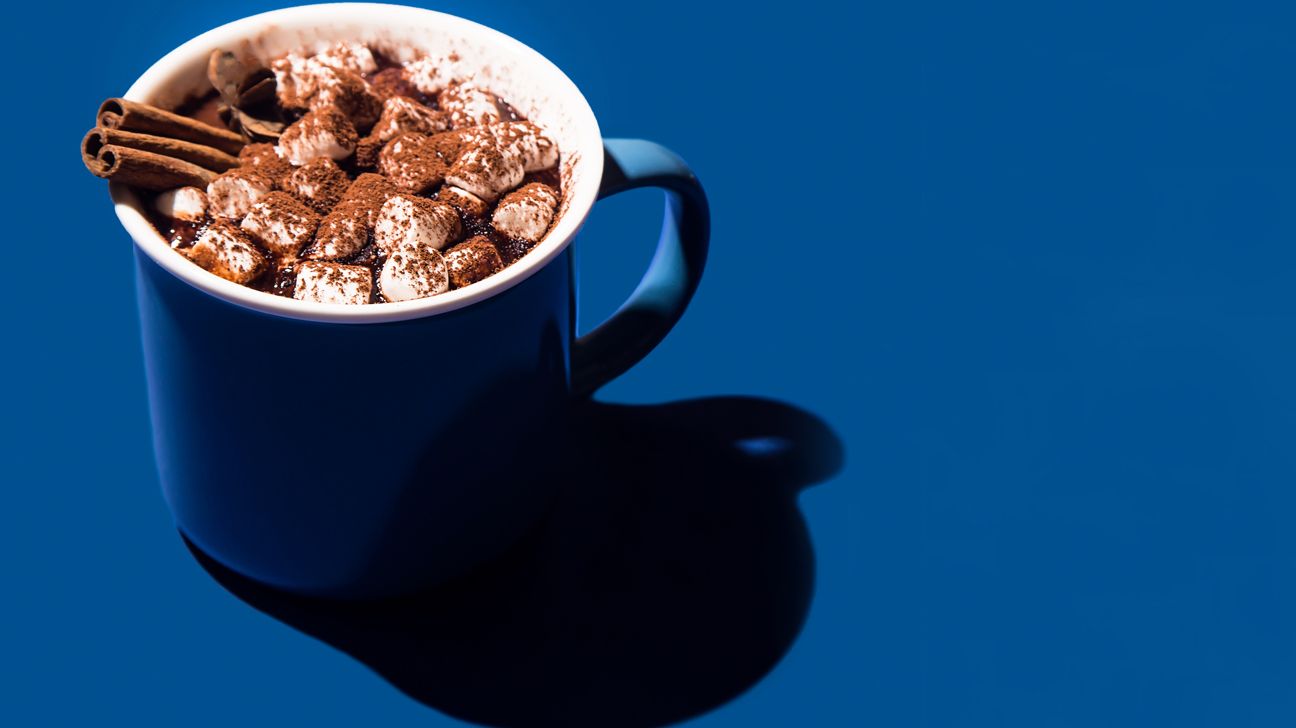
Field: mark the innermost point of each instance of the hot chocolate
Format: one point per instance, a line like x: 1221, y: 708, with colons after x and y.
x: 338, y: 176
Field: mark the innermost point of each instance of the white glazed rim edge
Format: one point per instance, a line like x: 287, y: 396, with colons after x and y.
x: 582, y: 196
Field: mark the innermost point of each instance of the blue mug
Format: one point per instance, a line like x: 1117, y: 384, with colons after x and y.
x: 368, y: 451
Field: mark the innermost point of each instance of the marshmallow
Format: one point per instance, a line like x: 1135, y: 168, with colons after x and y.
x: 322, y: 132
x: 281, y: 224
x: 227, y: 251
x: 319, y: 183
x: 472, y: 260
x: 536, y: 150
x: 450, y: 145
x: 453, y: 141
x: 299, y: 78
x: 296, y: 79
x: 333, y: 283
x: 468, y: 105
x: 411, y: 163
x: 264, y: 158
x: 372, y: 190
x: 413, y: 272
x: 391, y: 82
x: 526, y: 213
x: 401, y: 114
x: 523, y: 138
x: 342, y: 233
x: 430, y: 75
x: 486, y: 169
x: 349, y: 94
x: 254, y: 155
x: 464, y: 201
x: 182, y: 203
x: 231, y: 194
x: 368, y: 184
x: 350, y: 57
x: 410, y: 222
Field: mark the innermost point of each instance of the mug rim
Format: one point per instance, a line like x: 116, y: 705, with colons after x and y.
x: 580, y: 201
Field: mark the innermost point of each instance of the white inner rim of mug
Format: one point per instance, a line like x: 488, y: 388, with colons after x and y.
x: 558, y: 106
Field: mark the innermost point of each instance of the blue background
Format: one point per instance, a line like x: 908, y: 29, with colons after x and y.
x: 1034, y: 267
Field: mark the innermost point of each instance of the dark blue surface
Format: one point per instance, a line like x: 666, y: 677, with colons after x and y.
x: 1048, y: 308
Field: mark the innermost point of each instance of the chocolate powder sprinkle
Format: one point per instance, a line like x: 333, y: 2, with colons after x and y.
x: 319, y: 183
x: 348, y: 194
x: 472, y: 260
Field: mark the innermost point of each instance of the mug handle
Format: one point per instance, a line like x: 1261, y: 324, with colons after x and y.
x: 672, y: 277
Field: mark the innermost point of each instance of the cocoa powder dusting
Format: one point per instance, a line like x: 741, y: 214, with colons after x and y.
x: 357, y: 187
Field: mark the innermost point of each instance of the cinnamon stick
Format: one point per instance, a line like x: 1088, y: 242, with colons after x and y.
x: 139, y: 168
x: 133, y: 116
x: 200, y: 154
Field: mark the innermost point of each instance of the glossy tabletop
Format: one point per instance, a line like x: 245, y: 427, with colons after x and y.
x: 983, y: 413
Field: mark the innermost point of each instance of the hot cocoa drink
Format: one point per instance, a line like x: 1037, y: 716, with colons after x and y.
x: 339, y: 176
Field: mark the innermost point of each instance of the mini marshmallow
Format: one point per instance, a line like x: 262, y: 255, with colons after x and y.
x: 411, y: 163
x: 333, y: 283
x: 486, y: 169
x: 342, y: 233
x: 430, y: 75
x: 526, y: 213
x: 456, y: 140
x: 281, y: 224
x: 349, y: 94
x: 258, y: 153
x: 182, y: 203
x: 350, y: 57
x: 369, y: 183
x: 391, y: 82
x: 300, y: 78
x: 319, y: 183
x: 450, y: 145
x: 322, y: 132
x: 464, y: 201
x: 414, y: 272
x: 373, y: 190
x: 231, y: 194
x: 468, y: 105
x: 472, y: 260
x: 410, y: 222
x: 227, y: 251
x: 264, y: 158
x: 536, y: 150
x: 401, y: 114
x: 296, y: 79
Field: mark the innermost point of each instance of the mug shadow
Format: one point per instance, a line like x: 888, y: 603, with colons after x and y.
x: 671, y: 573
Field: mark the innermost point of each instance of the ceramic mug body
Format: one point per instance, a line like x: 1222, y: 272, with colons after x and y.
x: 355, y: 460
x: 360, y: 451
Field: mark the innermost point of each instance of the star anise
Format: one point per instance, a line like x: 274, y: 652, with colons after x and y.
x: 248, y: 95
